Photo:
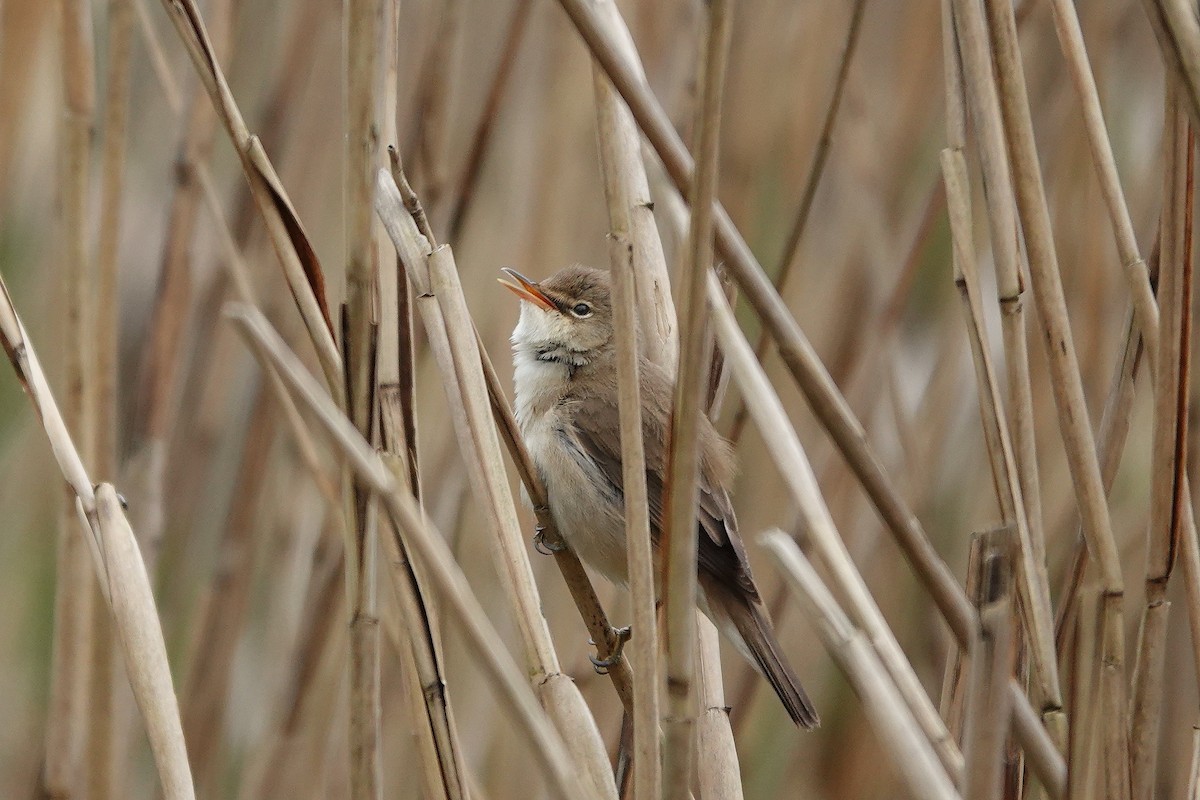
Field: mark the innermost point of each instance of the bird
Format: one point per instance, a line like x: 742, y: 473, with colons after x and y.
x: 565, y: 388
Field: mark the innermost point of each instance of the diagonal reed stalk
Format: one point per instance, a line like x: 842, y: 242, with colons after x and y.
x: 897, y: 729
x: 784, y: 446
x: 679, y: 541
x: 362, y: 38
x: 117, y: 565
x: 291, y: 244
x: 429, y: 547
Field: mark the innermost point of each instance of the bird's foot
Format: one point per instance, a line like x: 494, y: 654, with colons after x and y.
x: 621, y: 635
x: 544, y: 547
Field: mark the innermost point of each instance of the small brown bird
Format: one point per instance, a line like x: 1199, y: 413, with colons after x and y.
x: 565, y: 378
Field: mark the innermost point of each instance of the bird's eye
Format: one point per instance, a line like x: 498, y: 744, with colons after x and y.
x: 581, y: 310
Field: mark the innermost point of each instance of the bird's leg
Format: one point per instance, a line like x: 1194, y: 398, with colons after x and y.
x: 620, y: 636
x: 540, y: 543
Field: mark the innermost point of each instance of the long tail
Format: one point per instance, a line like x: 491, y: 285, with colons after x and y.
x: 748, y: 628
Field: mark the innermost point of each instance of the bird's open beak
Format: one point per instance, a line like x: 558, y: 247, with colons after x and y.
x: 526, y: 289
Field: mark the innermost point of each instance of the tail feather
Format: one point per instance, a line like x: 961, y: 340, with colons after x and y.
x: 748, y: 627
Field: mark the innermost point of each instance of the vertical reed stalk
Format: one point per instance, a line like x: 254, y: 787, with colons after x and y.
x: 1064, y: 368
x: 1169, y: 445
x: 82, y: 682
x: 647, y: 775
x: 361, y: 43
x: 989, y: 705
x: 683, y: 456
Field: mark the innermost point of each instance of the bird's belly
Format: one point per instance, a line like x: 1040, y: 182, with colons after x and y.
x: 591, y: 523
x: 588, y: 511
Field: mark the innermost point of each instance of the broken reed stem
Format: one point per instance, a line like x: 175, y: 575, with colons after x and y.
x: 647, y: 775
x: 117, y: 565
x: 429, y: 546
x: 451, y: 336
x: 785, y: 449
x: 1032, y: 585
x: 989, y: 706
x: 1169, y: 443
x: 893, y: 720
x: 683, y: 456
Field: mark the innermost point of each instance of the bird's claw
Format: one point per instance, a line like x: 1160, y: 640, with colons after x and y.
x: 602, y: 665
x: 542, y: 546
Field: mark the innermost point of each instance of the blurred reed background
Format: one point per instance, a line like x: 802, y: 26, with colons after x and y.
x: 248, y: 563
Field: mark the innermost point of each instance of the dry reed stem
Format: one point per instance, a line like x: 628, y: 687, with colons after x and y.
x: 647, y: 768
x: 1031, y: 581
x: 452, y: 340
x: 631, y: 209
x: 786, y: 450
x: 975, y: 65
x: 112, y: 168
x: 989, y: 705
x: 1070, y: 38
x: 679, y: 542
x: 430, y: 548
x: 1178, y: 33
x: 897, y: 729
x: 717, y: 771
x: 1168, y: 447
x: 646, y: 323
x: 1047, y: 284
x: 1115, y: 421
x: 436, y: 731
x: 82, y: 399
x: 106, y: 323
x: 117, y: 564
x: 435, y: 83
x: 362, y: 38
x: 1084, y: 734
x: 286, y: 233
x: 1074, y: 426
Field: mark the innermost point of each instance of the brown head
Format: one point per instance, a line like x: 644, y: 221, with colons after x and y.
x: 566, y: 318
